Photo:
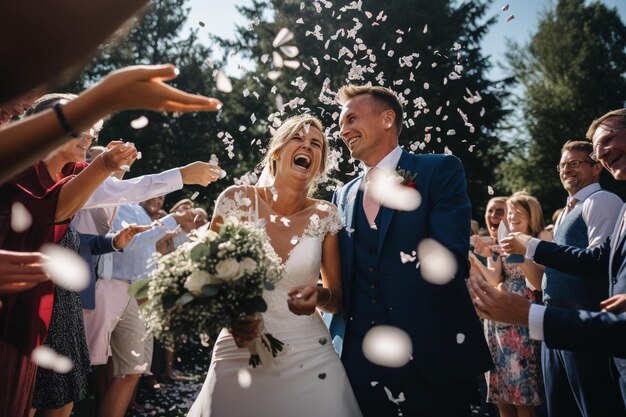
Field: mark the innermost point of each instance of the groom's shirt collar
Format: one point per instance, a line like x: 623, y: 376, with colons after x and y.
x: 389, y: 162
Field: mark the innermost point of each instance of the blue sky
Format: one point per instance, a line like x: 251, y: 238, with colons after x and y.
x: 220, y: 18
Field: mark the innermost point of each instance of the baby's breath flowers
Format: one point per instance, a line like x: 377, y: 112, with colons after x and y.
x: 210, y: 281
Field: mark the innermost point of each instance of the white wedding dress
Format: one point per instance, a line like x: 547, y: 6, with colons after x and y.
x: 308, y: 379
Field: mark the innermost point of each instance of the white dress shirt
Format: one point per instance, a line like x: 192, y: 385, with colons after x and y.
x: 136, y: 262
x: 600, y: 212
x: 389, y: 162
x: 102, y: 206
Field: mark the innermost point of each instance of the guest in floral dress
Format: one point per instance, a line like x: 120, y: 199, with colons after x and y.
x: 515, y: 385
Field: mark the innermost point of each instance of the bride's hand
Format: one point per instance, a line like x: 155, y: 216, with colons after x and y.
x: 245, y: 331
x: 302, y: 300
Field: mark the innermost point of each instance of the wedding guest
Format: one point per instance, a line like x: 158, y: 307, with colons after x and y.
x: 309, y: 380
x: 579, y: 383
x: 575, y: 330
x: 121, y: 333
x: 608, y: 137
x: 139, y: 87
x: 380, y: 289
x: 515, y: 385
x: 52, y: 191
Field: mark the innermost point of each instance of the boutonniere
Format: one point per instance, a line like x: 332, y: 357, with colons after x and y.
x: 408, y: 177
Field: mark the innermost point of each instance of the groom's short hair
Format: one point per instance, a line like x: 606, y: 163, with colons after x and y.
x: 383, y: 96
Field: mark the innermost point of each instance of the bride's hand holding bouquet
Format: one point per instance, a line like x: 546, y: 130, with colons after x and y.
x: 214, y: 281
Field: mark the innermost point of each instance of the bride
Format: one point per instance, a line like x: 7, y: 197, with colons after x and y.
x: 308, y: 379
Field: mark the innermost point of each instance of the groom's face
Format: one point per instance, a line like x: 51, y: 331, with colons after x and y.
x: 363, y: 127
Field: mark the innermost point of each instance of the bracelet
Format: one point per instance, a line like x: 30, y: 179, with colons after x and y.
x: 64, y: 124
x: 330, y: 296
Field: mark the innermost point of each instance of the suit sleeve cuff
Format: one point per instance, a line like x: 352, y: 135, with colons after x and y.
x: 535, y: 321
x: 532, y: 247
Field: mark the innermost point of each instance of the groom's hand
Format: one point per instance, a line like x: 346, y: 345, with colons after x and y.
x: 302, y: 300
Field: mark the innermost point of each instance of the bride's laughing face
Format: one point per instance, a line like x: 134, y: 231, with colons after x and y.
x: 301, y: 157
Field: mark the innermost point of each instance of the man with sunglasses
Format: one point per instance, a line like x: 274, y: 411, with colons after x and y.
x: 578, y: 383
x: 579, y: 330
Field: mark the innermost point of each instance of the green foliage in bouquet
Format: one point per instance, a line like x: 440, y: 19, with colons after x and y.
x: 208, y: 282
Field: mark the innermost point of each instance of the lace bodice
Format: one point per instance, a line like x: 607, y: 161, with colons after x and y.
x: 297, y: 239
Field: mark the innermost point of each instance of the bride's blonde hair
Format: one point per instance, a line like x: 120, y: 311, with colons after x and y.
x: 285, y: 132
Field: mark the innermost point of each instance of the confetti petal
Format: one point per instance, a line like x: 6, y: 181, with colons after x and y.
x: 222, y: 82
x: 284, y: 35
x: 139, y: 123
x: 387, y: 187
x: 289, y: 51
x: 66, y: 268
x: 21, y: 219
x: 47, y: 358
x: 244, y: 378
x: 437, y: 264
x: 387, y: 346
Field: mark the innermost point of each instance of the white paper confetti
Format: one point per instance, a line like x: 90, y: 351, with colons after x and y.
x: 47, y: 358
x: 222, y: 82
x: 66, y: 268
x: 386, y: 187
x: 460, y: 338
x: 21, y: 219
x: 139, y: 123
x: 284, y: 35
x: 387, y: 346
x: 437, y: 264
x: 244, y: 378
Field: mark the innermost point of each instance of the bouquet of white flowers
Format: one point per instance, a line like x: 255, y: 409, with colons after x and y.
x: 210, y: 281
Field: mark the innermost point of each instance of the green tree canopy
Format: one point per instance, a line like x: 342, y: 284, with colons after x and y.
x: 571, y: 72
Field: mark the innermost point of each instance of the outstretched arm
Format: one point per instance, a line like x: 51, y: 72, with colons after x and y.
x: 138, y: 87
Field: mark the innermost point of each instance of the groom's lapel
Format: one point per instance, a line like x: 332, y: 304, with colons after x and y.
x: 407, y: 163
x: 349, y: 207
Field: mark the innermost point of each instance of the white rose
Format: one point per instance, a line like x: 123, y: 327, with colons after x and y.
x: 249, y: 265
x: 197, y: 280
x: 228, y: 270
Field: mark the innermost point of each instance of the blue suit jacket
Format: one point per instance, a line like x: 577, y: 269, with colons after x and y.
x: 92, y: 245
x: 432, y: 315
x: 582, y: 330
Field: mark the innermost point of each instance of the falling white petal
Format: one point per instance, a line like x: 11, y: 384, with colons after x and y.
x: 511, y: 17
x: 386, y: 187
x: 291, y: 64
x: 437, y: 264
x: 284, y: 35
x: 489, y: 190
x: 387, y: 346
x: 222, y: 82
x: 244, y: 378
x: 290, y: 51
x: 21, y: 219
x: 505, y: 8
x: 278, y: 60
x: 460, y: 338
x: 139, y: 123
x: 66, y: 268
x: 44, y: 357
x: 272, y: 75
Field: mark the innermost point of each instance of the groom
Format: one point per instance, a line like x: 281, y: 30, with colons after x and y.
x: 449, y: 348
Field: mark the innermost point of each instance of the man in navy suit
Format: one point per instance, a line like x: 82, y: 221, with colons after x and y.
x: 608, y: 136
x: 449, y: 347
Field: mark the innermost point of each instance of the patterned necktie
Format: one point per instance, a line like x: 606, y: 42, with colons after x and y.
x: 370, y: 205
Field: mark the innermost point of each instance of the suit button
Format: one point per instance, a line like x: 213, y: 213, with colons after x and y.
x: 373, y: 322
x: 614, y: 280
x: 374, y: 301
x: 372, y: 286
x: 371, y: 269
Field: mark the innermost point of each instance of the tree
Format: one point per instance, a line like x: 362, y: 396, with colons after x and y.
x: 427, y: 51
x: 168, y: 140
x: 572, y: 71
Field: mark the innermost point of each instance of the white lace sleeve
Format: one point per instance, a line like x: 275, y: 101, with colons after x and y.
x: 330, y: 221
x: 234, y: 202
